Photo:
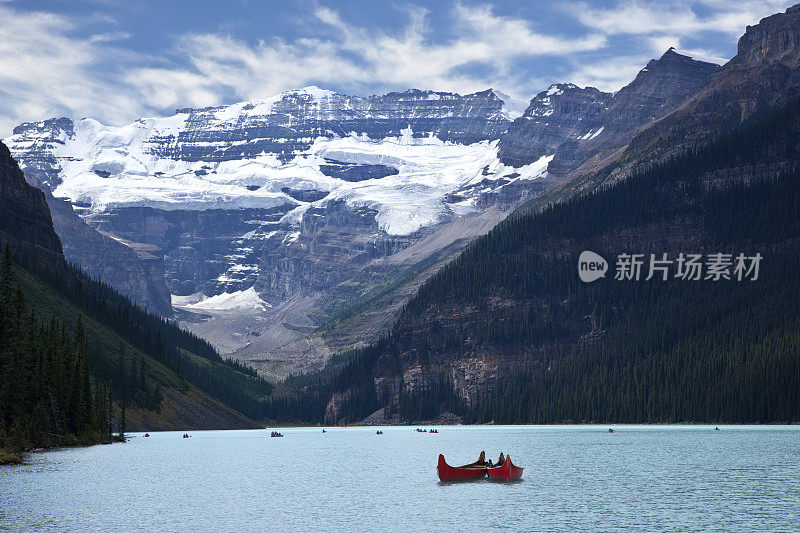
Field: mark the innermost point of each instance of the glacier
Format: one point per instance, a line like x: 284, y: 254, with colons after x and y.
x: 101, y: 167
x: 246, y: 301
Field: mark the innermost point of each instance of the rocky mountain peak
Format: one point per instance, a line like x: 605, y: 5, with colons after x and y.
x: 560, y: 114
x: 39, y: 139
x: 566, y: 99
x: 656, y: 89
x: 775, y: 38
x: 763, y: 72
x: 671, y: 76
x: 53, y: 127
x: 576, y: 123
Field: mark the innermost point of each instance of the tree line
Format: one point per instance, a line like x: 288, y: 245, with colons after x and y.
x: 47, y: 394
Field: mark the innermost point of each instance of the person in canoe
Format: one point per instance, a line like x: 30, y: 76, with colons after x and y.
x: 501, y: 459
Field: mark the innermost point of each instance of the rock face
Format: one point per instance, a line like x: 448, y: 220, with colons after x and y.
x: 763, y: 73
x: 134, y: 269
x: 289, y: 123
x: 577, y: 124
x: 562, y: 115
x: 25, y: 222
x: 776, y: 39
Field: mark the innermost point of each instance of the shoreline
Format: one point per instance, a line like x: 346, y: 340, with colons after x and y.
x: 424, y: 425
x: 7, y: 457
x: 10, y: 457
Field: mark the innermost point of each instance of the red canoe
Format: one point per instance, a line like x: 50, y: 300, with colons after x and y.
x: 474, y: 470
x: 505, y: 472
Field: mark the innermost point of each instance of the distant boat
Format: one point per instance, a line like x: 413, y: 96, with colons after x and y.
x: 507, y: 471
x: 610, y: 430
x: 324, y: 431
x: 147, y: 434
x: 276, y: 434
x: 379, y: 432
x: 474, y: 470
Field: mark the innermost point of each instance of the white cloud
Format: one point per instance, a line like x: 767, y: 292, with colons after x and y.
x: 44, y: 72
x: 51, y: 65
x: 654, y: 26
x: 678, y: 18
x: 359, y: 57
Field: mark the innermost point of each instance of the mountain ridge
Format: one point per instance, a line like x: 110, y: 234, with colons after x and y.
x: 605, y: 121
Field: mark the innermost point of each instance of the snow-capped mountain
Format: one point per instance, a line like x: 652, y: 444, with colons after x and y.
x: 274, y: 215
x: 398, y: 154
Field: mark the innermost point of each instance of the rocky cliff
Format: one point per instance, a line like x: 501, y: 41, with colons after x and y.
x: 134, y: 269
x: 288, y: 123
x: 764, y: 72
x: 25, y: 222
x: 580, y: 124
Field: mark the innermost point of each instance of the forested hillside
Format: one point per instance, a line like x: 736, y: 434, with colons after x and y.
x: 60, y: 333
x: 507, y: 332
x: 46, y: 394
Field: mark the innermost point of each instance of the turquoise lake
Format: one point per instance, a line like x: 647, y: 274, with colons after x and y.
x: 577, y: 478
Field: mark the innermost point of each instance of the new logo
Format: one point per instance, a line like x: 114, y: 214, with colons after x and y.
x: 591, y: 266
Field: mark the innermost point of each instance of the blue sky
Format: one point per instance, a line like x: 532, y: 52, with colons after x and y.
x: 119, y: 60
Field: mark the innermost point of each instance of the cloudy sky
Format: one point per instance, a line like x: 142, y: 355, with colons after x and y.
x: 117, y: 60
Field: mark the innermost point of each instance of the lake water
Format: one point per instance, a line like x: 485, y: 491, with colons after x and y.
x: 673, y: 478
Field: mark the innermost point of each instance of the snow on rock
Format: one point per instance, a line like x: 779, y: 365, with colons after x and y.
x: 537, y: 169
x: 592, y: 134
x: 512, y: 107
x: 428, y: 169
x: 225, y: 303
x: 108, y: 167
x: 102, y: 167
